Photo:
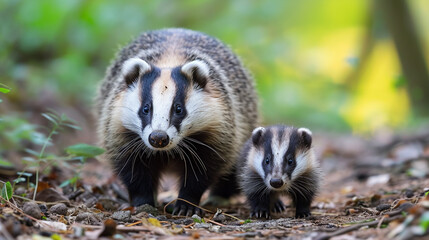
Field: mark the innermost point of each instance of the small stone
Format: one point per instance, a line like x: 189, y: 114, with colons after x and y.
x: 196, y: 218
x: 32, y: 209
x: 108, y: 204
x: 162, y: 218
x: 202, y: 225
x: 87, y: 218
x: 44, y: 209
x: 20, y: 191
x: 382, y: 207
x: 409, y: 193
x: 123, y: 216
x: 219, y: 218
x: 60, y: 209
x: 185, y: 221
x: 147, y: 208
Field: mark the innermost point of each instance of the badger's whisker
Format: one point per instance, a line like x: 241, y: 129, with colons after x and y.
x: 205, y: 145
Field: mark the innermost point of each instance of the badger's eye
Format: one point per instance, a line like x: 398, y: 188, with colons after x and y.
x: 290, y: 161
x: 267, y: 160
x: 178, y: 109
x: 146, y: 109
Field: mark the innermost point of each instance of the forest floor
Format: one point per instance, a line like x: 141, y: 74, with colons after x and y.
x: 372, y: 189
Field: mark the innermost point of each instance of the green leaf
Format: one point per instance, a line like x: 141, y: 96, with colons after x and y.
x: 424, y: 221
x: 7, y: 191
x: 4, y: 90
x: 72, y: 126
x: 84, y: 150
x: 65, y: 183
x: 50, y: 118
x: 4, y: 163
x: 25, y: 174
x: 20, y: 179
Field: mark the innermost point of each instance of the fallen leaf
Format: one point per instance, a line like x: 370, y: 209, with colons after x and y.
x: 56, y: 226
x: 50, y: 195
x: 109, y: 228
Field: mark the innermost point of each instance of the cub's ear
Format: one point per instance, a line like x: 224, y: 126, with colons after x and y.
x: 257, y: 135
x: 305, y: 136
x: 197, y: 71
x: 133, y: 68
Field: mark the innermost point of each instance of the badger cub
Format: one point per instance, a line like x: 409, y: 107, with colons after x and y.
x: 176, y: 101
x: 279, y: 160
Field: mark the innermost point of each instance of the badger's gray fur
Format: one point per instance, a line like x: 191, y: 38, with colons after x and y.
x: 279, y: 160
x: 179, y: 100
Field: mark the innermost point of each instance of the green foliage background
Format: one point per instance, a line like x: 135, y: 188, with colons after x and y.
x: 300, y: 52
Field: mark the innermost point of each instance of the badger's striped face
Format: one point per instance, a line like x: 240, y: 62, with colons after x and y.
x: 165, y: 105
x: 280, y: 154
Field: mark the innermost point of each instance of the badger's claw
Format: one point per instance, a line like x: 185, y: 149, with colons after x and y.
x: 185, y: 209
x: 302, y: 213
x: 260, y: 212
x: 278, y: 206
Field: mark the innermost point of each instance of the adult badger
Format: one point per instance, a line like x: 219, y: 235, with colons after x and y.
x: 179, y: 101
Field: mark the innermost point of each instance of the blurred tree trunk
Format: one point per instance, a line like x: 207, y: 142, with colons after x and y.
x: 398, y: 19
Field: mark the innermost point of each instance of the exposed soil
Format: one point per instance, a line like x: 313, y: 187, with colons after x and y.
x: 372, y: 189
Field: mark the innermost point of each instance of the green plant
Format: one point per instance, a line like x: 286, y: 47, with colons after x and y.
x: 6, y: 191
x: 4, y: 89
x: 76, y: 152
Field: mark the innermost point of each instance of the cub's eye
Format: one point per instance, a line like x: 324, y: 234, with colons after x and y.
x: 146, y: 109
x: 290, y: 161
x: 178, y: 109
x: 267, y: 160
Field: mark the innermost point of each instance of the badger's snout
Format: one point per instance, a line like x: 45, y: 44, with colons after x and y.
x: 159, y: 139
x: 276, y: 182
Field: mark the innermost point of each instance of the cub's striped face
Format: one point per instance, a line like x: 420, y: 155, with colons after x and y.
x: 160, y: 104
x: 280, y: 154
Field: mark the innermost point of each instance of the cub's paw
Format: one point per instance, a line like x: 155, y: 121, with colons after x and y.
x: 182, y: 208
x: 302, y: 213
x: 278, y: 206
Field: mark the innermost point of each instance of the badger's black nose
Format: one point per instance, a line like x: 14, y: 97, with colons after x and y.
x: 158, y: 139
x: 276, y: 182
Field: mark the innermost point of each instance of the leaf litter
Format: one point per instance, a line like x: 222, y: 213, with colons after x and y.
x: 370, y: 190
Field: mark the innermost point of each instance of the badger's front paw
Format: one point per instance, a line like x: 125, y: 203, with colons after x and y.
x: 182, y: 208
x: 260, y: 211
x: 278, y: 206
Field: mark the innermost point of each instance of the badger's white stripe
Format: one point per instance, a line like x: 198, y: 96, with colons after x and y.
x: 131, y: 63
x: 257, y: 156
x: 199, y: 66
x: 163, y: 93
x: 279, y: 149
x: 130, y: 107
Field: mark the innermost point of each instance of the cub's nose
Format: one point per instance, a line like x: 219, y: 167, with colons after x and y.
x: 276, y: 182
x: 158, y: 139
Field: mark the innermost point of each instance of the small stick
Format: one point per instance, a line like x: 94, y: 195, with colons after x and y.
x: 214, y: 222
x: 133, y: 224
x: 189, y: 225
x: 357, y: 226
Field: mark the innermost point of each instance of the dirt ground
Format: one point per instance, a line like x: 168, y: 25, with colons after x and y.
x: 372, y: 189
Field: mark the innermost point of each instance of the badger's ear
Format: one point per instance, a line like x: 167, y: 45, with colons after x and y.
x: 306, y: 136
x: 257, y: 135
x: 198, y: 71
x: 133, y: 68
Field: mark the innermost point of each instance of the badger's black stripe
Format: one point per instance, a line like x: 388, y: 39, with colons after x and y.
x: 182, y: 84
x: 294, y: 142
x: 268, y: 152
x: 147, y: 81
